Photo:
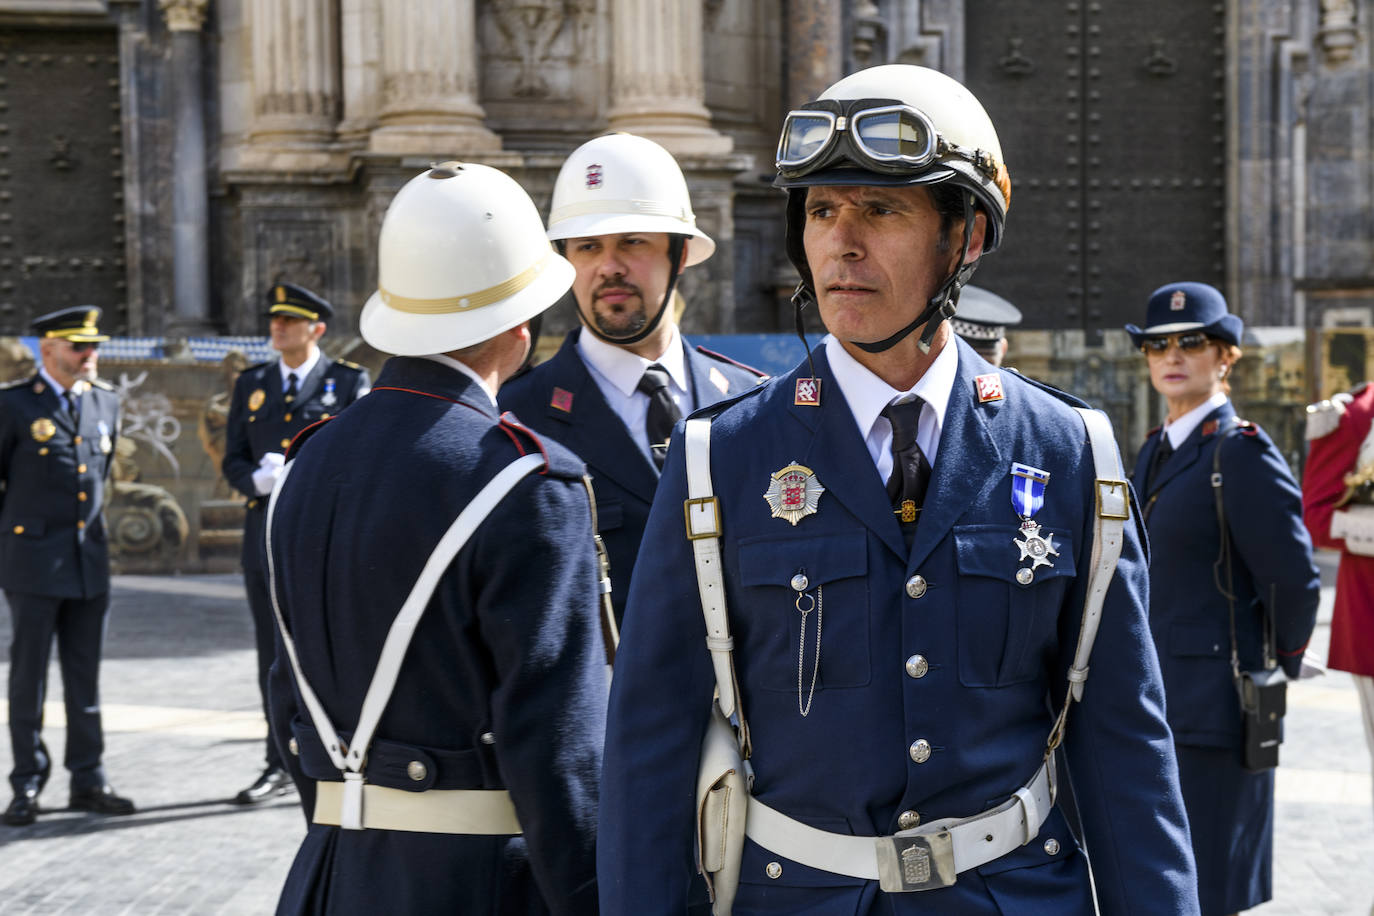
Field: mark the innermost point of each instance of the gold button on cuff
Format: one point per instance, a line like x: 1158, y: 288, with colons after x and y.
x: 773, y: 870
x: 294, y: 747
x: 916, y: 586
x: 417, y: 770
x: 920, y: 750
x: 908, y: 820
x: 18, y: 529
x: 81, y: 496
x: 917, y: 666
x: 80, y: 469
x: 1052, y: 846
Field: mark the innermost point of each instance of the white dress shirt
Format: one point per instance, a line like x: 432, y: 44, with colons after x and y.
x: 868, y: 395
x: 1183, y: 427
x: 617, y: 372
x: 300, y: 371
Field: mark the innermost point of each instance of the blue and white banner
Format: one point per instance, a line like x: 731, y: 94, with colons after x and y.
x: 1027, y: 489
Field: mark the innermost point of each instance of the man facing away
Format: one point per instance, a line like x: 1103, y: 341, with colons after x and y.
x: 622, y: 215
x: 906, y: 537
x: 456, y: 772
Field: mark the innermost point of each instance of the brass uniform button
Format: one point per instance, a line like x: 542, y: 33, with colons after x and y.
x: 920, y: 750
x: 288, y: 418
x: 43, y: 450
x: 294, y: 747
x: 81, y: 496
x: 1052, y: 846
x: 417, y: 770
x: 18, y: 529
x: 77, y: 440
x: 80, y: 525
x: 80, y: 469
x: 324, y: 416
x: 286, y: 443
x: 916, y: 586
x: 773, y: 870
x: 908, y: 820
x: 917, y: 666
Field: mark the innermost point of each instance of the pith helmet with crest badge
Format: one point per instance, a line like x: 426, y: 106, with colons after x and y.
x: 78, y: 324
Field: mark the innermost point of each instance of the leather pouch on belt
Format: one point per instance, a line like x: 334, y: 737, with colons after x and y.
x: 722, y: 800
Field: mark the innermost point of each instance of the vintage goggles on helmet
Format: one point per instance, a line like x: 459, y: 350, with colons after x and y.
x: 879, y: 135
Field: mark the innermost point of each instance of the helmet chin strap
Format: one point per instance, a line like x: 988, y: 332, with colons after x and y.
x: 676, y: 243
x: 942, y: 304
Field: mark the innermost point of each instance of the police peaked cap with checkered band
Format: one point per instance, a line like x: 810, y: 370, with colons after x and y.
x: 1188, y: 306
x: 79, y: 324
x: 293, y: 301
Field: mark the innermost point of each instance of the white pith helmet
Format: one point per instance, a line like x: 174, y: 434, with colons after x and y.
x: 462, y: 256
x: 620, y: 183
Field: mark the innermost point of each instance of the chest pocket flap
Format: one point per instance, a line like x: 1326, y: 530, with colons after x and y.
x: 823, y: 558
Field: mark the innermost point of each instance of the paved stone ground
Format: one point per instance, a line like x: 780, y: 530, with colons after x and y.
x: 184, y: 731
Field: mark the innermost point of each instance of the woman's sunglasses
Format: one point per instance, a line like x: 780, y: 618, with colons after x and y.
x: 1189, y: 343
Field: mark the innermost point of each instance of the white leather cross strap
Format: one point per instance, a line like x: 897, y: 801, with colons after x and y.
x: 478, y: 812
x: 1112, y: 511
x: 702, y: 511
x: 350, y: 761
x: 939, y: 850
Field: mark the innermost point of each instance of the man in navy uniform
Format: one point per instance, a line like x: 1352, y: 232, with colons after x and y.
x: 622, y: 215
x: 57, y: 434
x: 476, y: 769
x: 272, y: 402
x: 906, y: 541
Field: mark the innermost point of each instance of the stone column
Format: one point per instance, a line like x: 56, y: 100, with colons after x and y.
x: 429, y: 81
x: 190, y: 204
x: 657, y: 89
x: 814, y: 49
x: 295, y: 63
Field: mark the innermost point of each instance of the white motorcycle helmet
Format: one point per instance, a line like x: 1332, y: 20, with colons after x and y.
x: 620, y: 183
x: 896, y: 124
x: 462, y: 257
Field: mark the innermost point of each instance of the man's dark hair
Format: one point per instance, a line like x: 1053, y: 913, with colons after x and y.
x: 948, y: 200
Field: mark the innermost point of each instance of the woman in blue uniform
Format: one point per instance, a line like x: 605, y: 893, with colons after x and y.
x: 1190, y: 343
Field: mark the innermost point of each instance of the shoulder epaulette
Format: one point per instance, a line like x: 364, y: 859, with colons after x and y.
x: 721, y: 357
x: 16, y: 383
x: 1071, y: 400
x: 527, y: 442
x: 349, y: 365
x: 262, y: 365
x: 716, y: 409
x: 1324, y: 416
x: 101, y: 383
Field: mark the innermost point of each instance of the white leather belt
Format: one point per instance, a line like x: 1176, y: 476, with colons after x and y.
x: 923, y: 858
x: 483, y: 812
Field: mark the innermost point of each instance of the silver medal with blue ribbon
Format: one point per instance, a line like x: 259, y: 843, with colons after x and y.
x: 1027, y: 498
x: 329, y: 399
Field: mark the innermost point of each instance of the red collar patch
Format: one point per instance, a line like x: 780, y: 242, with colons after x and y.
x: 989, y: 387
x: 562, y: 400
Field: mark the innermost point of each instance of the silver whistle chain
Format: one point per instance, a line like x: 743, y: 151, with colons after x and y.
x: 817, y: 604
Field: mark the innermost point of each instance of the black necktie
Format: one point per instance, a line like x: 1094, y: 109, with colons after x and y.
x: 73, y: 405
x: 1162, y: 453
x: 906, y: 485
x: 291, y: 388
x: 663, y: 412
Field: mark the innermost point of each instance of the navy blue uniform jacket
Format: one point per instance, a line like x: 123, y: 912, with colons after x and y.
x: 52, y: 532
x: 1272, y: 567
x: 997, y: 652
x: 622, y: 474
x: 260, y: 421
x: 509, y: 646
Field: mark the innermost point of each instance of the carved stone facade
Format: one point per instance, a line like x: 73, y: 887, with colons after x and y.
x: 236, y: 143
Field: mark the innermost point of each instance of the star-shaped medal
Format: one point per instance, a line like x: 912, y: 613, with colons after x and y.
x: 1035, y: 548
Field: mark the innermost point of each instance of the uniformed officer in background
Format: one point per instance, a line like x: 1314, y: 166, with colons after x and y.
x: 477, y: 755
x: 622, y: 215
x: 982, y: 321
x: 57, y: 435
x: 901, y: 653
x: 272, y: 402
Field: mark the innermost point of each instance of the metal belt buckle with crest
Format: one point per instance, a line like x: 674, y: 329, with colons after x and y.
x: 915, y: 861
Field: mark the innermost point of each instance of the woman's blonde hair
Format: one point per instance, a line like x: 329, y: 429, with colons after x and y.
x: 1232, y: 354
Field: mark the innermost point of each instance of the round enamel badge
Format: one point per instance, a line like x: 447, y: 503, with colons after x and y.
x: 43, y: 429
x: 256, y: 398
